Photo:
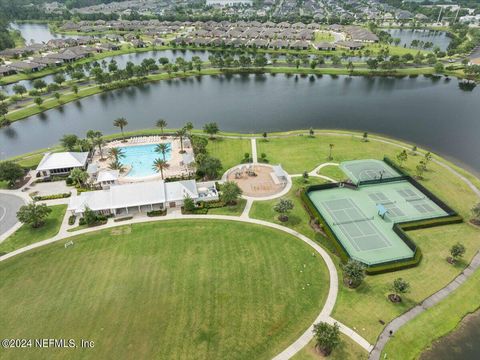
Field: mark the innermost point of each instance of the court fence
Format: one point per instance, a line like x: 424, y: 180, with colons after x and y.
x: 400, y: 229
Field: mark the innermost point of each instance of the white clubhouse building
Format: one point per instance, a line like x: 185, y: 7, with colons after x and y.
x: 61, y: 163
x: 142, y: 197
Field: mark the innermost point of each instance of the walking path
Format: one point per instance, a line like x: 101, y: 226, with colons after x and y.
x: 254, y: 150
x: 324, y: 315
x: 429, y: 302
x: 301, y: 342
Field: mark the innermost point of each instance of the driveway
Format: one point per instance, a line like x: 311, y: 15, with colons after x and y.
x: 9, y: 205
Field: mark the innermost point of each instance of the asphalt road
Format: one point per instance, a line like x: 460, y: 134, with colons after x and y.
x: 9, y: 205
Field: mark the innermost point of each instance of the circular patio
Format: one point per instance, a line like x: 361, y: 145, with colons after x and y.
x: 259, y: 180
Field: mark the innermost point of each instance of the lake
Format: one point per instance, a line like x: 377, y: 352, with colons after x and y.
x: 431, y: 113
x: 462, y: 344
x: 37, y: 33
x: 438, y: 38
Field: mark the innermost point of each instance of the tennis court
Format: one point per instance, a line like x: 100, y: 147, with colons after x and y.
x: 353, y: 216
x: 364, y: 170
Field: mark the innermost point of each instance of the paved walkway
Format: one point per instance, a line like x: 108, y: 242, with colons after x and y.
x: 324, y: 315
x: 254, y: 150
x: 10, y: 202
x: 429, y: 302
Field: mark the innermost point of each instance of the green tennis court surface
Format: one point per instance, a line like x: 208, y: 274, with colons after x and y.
x: 353, y: 215
x: 364, y: 170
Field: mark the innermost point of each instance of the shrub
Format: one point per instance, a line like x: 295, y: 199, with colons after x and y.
x: 52, y: 197
x: 71, y: 219
x: 157, y: 213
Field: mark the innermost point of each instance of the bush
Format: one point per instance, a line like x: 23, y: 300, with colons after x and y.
x: 157, y: 213
x: 52, y: 197
x: 124, y: 218
x: 71, y: 219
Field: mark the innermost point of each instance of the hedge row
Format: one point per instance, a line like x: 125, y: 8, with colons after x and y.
x: 156, y: 213
x: 52, y: 197
x: 400, y: 228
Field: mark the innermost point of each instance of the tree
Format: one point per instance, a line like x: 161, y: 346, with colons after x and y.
x: 159, y: 165
x: 438, y: 68
x: 19, y: 89
x: 188, y: 204
x: 38, y: 100
x: 78, y: 176
x: 189, y: 127
x: 121, y: 123
x: 420, y: 169
x: 162, y: 124
x: 230, y: 193
x: 100, y: 142
x: 162, y: 148
x: 59, y: 79
x: 311, y: 132
x: 330, y: 147
x: 350, y: 68
x: 33, y: 214
x: 84, y: 144
x: 427, y: 159
x: 353, y: 273
x: 115, y: 164
x: 10, y: 172
x: 283, y: 207
x: 116, y: 153
x: 39, y: 84
x: 90, y: 217
x: 365, y: 136
x: 327, y: 337
x: 399, y: 286
x: 208, y: 167
x: 211, y: 129
x: 476, y: 212
x: 305, y: 176
x: 57, y: 96
x: 3, y: 110
x: 457, y: 251
x: 402, y: 157
x: 75, y: 89
x: 264, y: 135
x: 69, y: 141
x: 180, y: 134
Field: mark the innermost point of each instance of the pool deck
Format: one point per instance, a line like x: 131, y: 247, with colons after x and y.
x: 374, y: 241
x: 176, y: 169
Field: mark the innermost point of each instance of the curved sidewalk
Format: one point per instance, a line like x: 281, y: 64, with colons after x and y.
x: 429, y: 302
x: 305, y: 338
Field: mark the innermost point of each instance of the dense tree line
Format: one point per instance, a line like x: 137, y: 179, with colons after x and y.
x: 6, y: 40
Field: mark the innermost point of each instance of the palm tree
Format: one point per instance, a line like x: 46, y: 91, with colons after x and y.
x: 116, y: 153
x: 84, y: 144
x: 100, y: 142
x: 162, y: 124
x: 162, y: 149
x: 121, y: 123
x: 180, y: 134
x: 330, y: 154
x: 159, y: 165
x: 116, y: 165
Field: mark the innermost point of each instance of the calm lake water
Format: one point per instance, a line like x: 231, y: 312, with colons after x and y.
x: 438, y: 38
x: 37, y: 32
x: 432, y: 113
x: 463, y: 344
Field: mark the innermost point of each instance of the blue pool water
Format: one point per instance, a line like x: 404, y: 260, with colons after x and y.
x: 141, y: 159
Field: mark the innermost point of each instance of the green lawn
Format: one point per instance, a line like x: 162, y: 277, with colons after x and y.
x: 297, y: 218
x: 300, y: 153
x: 434, y: 323
x: 197, y: 289
x: 347, y: 349
x: 324, y: 36
x: 27, y: 235
x: 229, y: 151
x: 333, y: 172
x: 364, y: 307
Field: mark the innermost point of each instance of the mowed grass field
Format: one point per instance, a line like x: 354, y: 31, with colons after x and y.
x: 229, y: 151
x: 364, y: 307
x: 27, y: 235
x: 190, y: 289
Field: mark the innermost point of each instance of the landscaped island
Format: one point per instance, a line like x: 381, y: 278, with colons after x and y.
x: 186, y: 266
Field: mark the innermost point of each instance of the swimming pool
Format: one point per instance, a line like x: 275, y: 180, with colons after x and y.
x: 141, y: 158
